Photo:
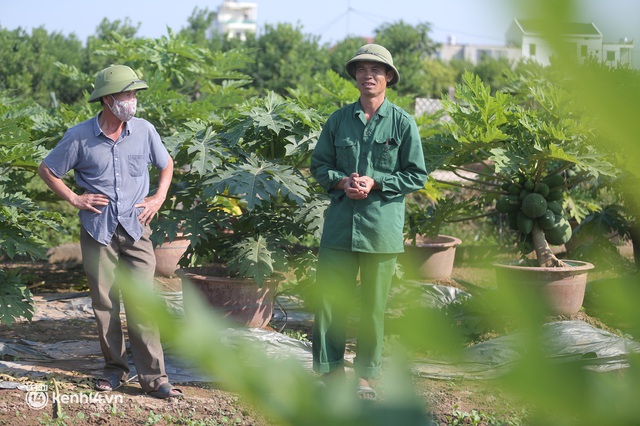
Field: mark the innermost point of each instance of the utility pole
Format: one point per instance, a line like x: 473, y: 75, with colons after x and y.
x: 348, y: 17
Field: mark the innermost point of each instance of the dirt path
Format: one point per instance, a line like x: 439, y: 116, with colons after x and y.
x: 74, y: 370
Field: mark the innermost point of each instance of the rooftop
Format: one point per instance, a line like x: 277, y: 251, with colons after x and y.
x: 536, y: 26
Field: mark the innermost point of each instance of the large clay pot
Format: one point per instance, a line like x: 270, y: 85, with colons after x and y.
x: 168, y: 255
x: 562, y: 288
x: 237, y: 299
x: 429, y: 258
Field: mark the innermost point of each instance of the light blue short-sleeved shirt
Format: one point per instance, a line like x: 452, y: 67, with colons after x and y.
x: 118, y: 170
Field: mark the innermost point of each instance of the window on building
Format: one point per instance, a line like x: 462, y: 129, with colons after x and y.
x: 583, y: 50
x: 483, y: 54
x: 611, y: 55
x: 532, y: 49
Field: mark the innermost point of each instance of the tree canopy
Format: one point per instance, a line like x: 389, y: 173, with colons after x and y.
x: 278, y: 59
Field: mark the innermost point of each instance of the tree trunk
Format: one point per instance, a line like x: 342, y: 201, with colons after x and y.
x: 545, y: 256
x: 634, y: 232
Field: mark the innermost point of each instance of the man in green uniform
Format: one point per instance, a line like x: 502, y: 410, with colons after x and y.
x: 368, y: 157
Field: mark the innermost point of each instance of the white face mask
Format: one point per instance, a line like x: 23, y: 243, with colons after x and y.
x: 124, y: 110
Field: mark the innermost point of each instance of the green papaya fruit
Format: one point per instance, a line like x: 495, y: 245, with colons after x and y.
x: 547, y: 220
x: 555, y: 207
x: 554, y: 195
x: 553, y: 181
x: 514, y: 189
x: 529, y: 185
x: 534, y: 205
x: 525, y: 224
x: 543, y: 189
x: 560, y: 233
x: 506, y: 204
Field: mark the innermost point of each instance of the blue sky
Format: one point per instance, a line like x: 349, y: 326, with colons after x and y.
x: 470, y: 21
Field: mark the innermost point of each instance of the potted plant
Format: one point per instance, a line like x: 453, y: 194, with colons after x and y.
x: 247, y: 204
x: 168, y: 254
x: 429, y: 254
x: 533, y: 146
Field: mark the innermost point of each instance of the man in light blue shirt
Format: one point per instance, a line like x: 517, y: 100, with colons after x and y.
x: 110, y: 155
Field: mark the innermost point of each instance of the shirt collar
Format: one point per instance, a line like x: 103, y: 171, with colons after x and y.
x: 382, y: 111
x: 96, y: 126
x: 97, y: 130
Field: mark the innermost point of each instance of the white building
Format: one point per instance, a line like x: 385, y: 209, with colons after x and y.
x: 618, y: 53
x: 236, y: 19
x: 583, y: 39
x: 525, y: 40
x: 474, y: 53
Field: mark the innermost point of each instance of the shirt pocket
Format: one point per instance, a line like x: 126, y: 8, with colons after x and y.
x: 137, y: 165
x: 346, y: 154
x: 385, y: 155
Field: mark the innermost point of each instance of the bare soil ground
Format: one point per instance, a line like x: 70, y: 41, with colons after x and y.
x: 205, y: 403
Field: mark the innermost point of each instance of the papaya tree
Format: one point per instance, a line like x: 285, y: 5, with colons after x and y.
x: 21, y: 220
x: 245, y: 198
x: 520, y: 151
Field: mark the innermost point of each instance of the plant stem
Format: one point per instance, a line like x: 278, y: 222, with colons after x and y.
x: 545, y: 256
x: 579, y: 178
x: 463, y: 219
x: 472, y: 188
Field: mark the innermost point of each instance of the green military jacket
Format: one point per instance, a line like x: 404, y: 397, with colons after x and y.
x: 389, y: 150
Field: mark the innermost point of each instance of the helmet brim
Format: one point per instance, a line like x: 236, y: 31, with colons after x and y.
x: 369, y: 57
x: 117, y: 87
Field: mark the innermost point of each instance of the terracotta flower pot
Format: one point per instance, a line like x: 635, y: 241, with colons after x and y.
x: 237, y: 299
x: 168, y: 255
x: 429, y: 258
x: 562, y: 288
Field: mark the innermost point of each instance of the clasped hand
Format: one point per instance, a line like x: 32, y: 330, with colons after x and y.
x: 358, y: 187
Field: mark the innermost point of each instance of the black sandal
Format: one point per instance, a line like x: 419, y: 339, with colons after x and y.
x: 166, y: 391
x: 112, y: 380
x: 367, y: 393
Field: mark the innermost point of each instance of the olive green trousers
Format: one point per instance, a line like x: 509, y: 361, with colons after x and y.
x: 339, y: 297
x: 100, y: 264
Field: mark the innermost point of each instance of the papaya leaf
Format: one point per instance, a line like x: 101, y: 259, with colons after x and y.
x: 304, y: 143
x: 271, y: 114
x: 252, y: 259
x: 199, y: 146
x: 312, y: 215
x: 258, y: 181
x: 15, y: 299
x: 18, y: 219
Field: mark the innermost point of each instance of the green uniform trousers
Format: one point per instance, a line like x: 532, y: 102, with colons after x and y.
x: 338, y: 296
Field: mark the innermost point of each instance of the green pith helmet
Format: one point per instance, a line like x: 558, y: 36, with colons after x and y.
x: 373, y: 53
x: 116, y: 79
